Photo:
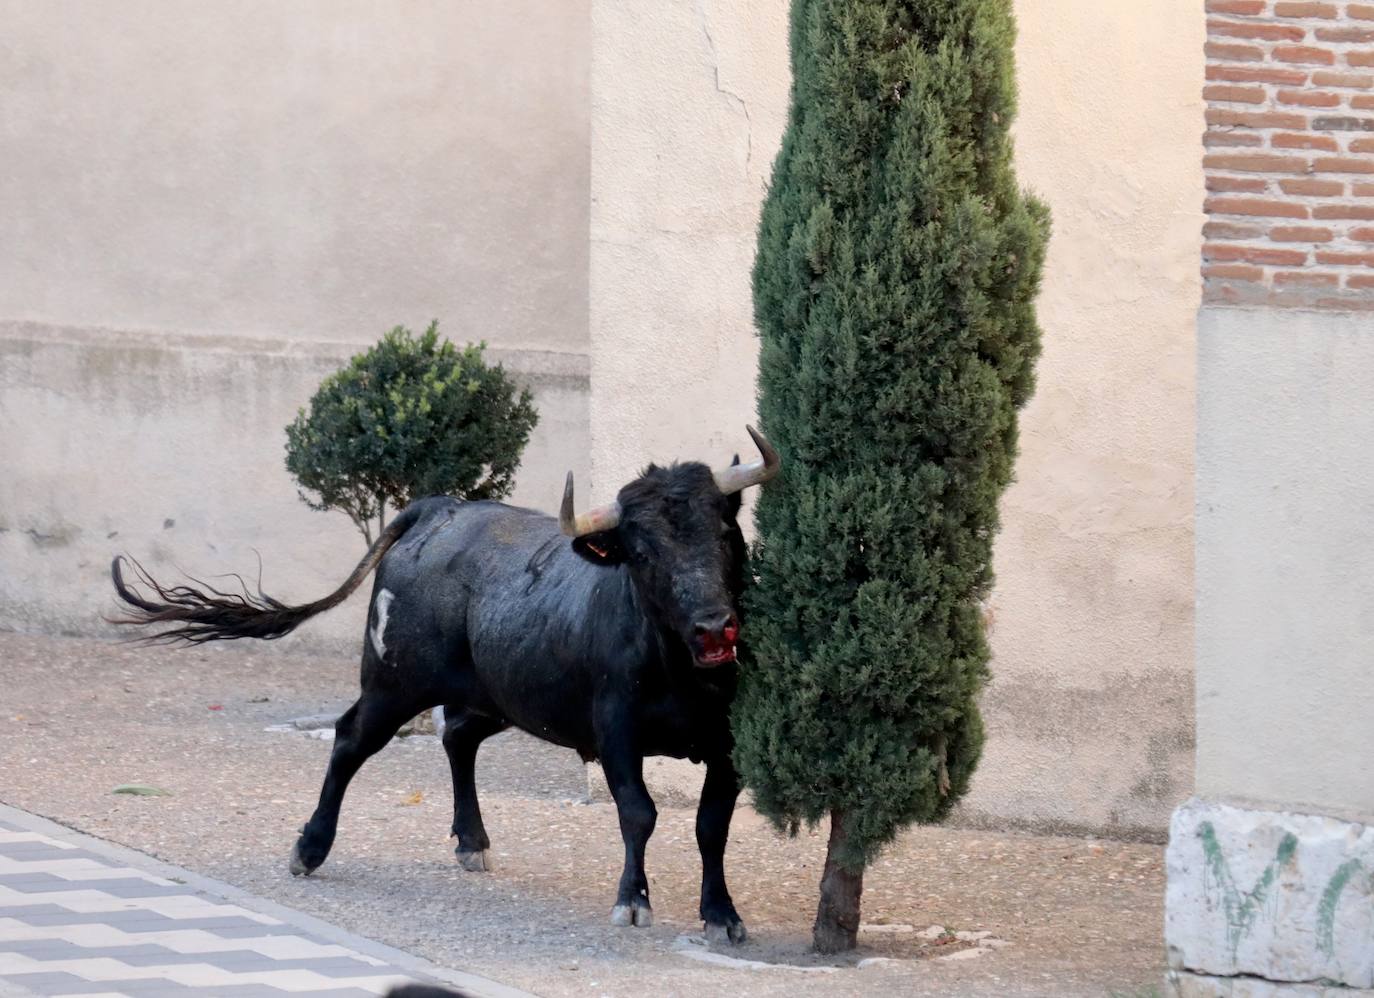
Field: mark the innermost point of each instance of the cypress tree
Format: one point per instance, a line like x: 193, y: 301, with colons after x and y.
x: 894, y: 287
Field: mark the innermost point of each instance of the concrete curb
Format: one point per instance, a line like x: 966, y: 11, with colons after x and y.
x: 479, y: 987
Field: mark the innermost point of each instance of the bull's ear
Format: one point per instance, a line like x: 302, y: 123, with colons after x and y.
x: 735, y: 499
x: 600, y: 548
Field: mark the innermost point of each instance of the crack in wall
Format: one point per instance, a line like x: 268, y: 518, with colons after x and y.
x: 730, y: 94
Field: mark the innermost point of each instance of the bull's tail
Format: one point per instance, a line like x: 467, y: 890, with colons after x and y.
x: 199, y: 615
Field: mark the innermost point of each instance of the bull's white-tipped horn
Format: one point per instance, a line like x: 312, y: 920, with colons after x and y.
x: 740, y: 476
x: 601, y: 518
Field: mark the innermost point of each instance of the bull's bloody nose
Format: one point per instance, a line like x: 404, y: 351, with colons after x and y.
x: 720, y: 627
x: 717, y: 638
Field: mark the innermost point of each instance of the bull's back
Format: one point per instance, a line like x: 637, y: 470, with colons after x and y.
x: 491, y: 599
x: 529, y: 627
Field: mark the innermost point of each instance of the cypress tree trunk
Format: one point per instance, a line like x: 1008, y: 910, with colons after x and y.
x: 837, y: 916
x: 894, y: 288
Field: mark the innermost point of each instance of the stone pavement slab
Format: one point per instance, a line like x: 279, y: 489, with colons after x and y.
x: 79, y: 916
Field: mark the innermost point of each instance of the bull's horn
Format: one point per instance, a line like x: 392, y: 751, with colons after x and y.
x: 741, y: 476
x: 601, y: 518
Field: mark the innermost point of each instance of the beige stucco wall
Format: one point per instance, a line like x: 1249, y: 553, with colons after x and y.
x: 207, y: 210
x: 689, y: 99
x: 1285, y: 560
x: 320, y: 169
x: 1090, y: 710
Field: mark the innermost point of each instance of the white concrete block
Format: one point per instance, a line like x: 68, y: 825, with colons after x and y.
x: 1282, y: 897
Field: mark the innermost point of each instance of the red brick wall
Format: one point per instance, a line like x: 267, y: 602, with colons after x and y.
x: 1290, y: 154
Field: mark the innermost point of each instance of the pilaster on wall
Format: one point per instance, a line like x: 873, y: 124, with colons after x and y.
x: 688, y: 103
x: 1272, y: 897
x: 1274, y: 893
x: 1290, y: 154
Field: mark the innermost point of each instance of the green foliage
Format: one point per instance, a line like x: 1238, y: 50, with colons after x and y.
x: 410, y: 417
x: 894, y: 289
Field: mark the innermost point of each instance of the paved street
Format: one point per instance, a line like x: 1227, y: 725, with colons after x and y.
x: 79, y: 917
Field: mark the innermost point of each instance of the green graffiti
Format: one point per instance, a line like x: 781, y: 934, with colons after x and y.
x: 1240, y: 907
x: 1331, y: 897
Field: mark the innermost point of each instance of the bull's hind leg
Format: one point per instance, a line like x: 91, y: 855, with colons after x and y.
x: 464, y: 733
x: 364, y: 729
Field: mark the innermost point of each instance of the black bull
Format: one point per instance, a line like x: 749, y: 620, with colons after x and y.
x: 618, y: 644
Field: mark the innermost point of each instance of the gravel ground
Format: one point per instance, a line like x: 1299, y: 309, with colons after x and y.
x: 79, y: 717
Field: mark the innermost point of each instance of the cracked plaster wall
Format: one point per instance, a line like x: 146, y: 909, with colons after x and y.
x: 1090, y: 710
x: 688, y: 102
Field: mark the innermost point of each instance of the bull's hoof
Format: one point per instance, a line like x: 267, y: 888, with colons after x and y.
x: 732, y: 932
x: 474, y: 860
x: 300, y: 866
x: 638, y: 914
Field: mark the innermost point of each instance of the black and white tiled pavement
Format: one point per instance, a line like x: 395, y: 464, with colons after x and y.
x: 81, y: 917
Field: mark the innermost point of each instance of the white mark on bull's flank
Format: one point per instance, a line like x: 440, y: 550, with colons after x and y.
x: 380, y: 610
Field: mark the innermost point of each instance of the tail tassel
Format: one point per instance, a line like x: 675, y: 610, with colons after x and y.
x: 198, y: 615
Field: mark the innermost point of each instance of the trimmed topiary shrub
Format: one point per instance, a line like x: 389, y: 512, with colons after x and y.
x: 410, y: 417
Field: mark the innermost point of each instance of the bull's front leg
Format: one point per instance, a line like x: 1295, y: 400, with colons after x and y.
x: 717, y: 806
x: 624, y: 768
